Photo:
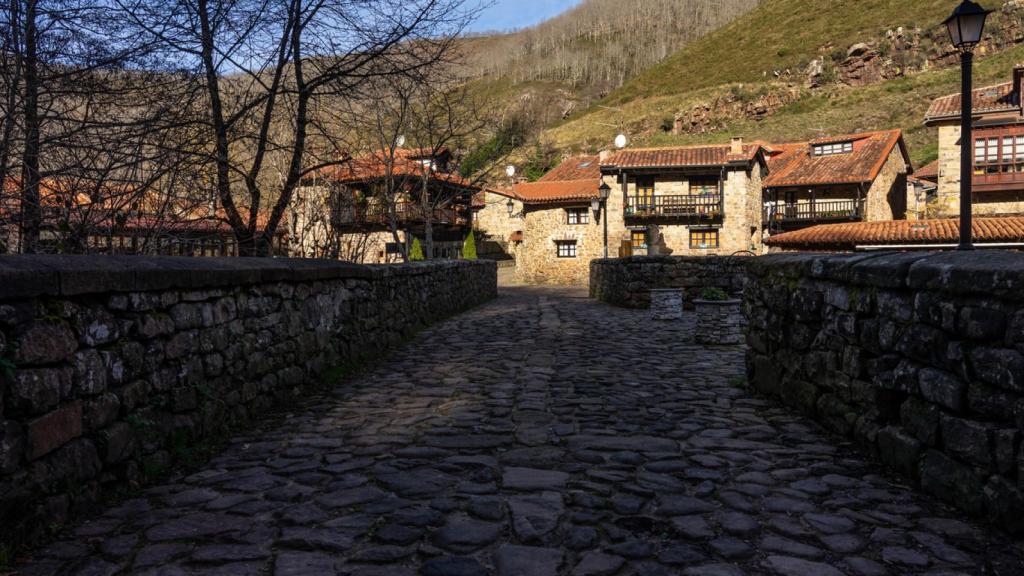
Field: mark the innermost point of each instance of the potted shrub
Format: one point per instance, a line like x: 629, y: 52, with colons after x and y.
x: 719, y: 318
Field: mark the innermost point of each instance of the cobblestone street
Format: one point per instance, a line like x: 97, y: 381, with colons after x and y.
x: 541, y: 434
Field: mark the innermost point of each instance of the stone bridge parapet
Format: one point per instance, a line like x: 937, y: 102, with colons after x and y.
x: 918, y: 357
x: 116, y: 368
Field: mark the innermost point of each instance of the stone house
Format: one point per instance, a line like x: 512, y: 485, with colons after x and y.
x: 998, y: 146
x: 693, y: 200
x: 851, y: 178
x: 347, y: 211
x: 686, y: 201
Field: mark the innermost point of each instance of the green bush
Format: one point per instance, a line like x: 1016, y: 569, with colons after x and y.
x: 713, y: 294
x: 469, y: 248
x: 416, y: 252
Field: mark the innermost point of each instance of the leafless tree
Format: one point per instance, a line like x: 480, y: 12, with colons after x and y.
x: 261, y: 62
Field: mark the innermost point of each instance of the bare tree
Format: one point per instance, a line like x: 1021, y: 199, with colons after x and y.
x: 257, y: 62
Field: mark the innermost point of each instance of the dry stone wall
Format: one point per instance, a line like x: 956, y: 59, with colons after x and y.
x: 116, y: 367
x: 918, y: 357
x: 628, y: 281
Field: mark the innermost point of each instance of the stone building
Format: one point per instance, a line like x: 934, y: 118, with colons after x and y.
x: 851, y: 178
x: 715, y: 200
x: 998, y: 146
x: 687, y: 201
x: 348, y: 211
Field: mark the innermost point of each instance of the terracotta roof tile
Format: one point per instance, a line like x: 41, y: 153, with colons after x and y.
x: 998, y: 98
x: 405, y: 163
x: 548, y: 192
x: 848, y: 236
x: 575, y: 168
x: 680, y: 157
x: 794, y: 164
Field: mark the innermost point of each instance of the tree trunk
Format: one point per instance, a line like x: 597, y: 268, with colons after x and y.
x: 31, y: 211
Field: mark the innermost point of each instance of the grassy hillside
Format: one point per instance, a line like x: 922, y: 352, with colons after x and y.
x: 740, y: 58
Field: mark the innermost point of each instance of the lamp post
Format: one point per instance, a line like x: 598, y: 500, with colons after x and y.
x: 510, y: 171
x: 966, y: 26
x: 605, y: 191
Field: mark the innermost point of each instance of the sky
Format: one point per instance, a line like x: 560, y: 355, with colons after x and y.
x: 506, y: 15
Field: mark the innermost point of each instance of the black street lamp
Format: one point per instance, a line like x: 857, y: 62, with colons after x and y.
x: 606, y: 191
x: 966, y: 26
x: 511, y: 207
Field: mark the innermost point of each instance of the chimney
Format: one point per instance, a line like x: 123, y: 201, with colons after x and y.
x: 736, y: 147
x: 603, y: 156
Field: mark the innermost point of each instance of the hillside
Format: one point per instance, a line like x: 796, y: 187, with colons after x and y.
x: 547, y: 72
x: 794, y: 69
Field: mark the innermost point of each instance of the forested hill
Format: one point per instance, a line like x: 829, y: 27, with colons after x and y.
x: 600, y: 44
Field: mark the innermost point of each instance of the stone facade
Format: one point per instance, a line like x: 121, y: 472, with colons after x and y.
x: 718, y: 323
x: 946, y: 201
x: 628, y: 281
x: 667, y: 303
x: 117, y: 367
x: 545, y: 226
x: 918, y: 357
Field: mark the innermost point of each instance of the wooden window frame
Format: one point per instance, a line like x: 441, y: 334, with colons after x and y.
x: 633, y: 238
x: 999, y: 151
x: 704, y: 234
x: 580, y: 215
x: 833, y: 148
x: 569, y: 246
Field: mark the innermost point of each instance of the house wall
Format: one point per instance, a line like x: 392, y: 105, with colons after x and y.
x: 537, y: 260
x: 946, y: 203
x: 493, y: 218
x: 887, y: 196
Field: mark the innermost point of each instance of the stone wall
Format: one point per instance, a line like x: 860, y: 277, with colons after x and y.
x: 116, y: 367
x: 918, y: 357
x: 628, y: 281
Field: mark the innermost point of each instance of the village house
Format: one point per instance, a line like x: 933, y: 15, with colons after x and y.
x: 692, y: 200
x: 851, y: 178
x: 998, y: 176
x: 370, y: 208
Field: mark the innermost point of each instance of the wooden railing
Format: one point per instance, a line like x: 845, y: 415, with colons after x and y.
x: 405, y: 213
x: 998, y: 181
x: 817, y: 210
x: 675, y: 206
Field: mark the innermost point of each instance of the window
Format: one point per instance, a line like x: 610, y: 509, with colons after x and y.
x: 645, y: 191
x: 999, y: 154
x: 577, y: 215
x: 833, y: 148
x: 703, y: 239
x: 704, y: 186
x: 638, y: 239
x: 566, y: 248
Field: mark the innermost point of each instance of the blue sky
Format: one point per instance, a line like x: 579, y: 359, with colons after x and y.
x: 513, y: 14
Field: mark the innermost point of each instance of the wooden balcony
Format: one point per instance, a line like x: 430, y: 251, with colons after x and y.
x: 814, y: 211
x: 998, y: 181
x: 406, y: 213
x: 686, y: 206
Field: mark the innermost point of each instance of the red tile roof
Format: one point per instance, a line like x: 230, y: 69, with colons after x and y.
x: 928, y: 171
x: 405, y: 163
x: 575, y: 168
x: 794, y: 164
x: 899, y: 232
x: 553, y: 192
x: 680, y: 157
x: 998, y: 98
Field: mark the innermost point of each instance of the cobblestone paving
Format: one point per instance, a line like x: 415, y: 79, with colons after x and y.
x: 541, y: 434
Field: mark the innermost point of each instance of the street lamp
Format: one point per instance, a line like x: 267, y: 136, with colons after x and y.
x: 966, y: 26
x: 511, y: 207
x: 605, y: 191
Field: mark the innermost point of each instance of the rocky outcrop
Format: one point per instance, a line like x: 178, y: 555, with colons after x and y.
x: 739, y: 103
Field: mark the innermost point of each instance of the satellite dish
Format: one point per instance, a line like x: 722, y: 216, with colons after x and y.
x: 400, y: 141
x: 510, y: 170
x: 621, y: 141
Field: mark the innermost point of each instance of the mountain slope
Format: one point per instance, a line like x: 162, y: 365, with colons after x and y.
x: 796, y: 69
